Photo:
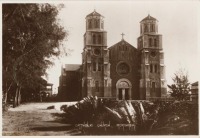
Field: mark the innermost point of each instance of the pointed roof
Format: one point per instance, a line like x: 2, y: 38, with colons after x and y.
x: 195, y: 84
x: 122, y: 42
x: 94, y: 13
x: 149, y: 18
x: 72, y: 67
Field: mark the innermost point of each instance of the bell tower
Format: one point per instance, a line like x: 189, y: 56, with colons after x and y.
x: 95, y: 58
x: 152, y: 68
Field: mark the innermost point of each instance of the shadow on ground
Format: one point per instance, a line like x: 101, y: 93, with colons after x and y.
x: 54, y: 128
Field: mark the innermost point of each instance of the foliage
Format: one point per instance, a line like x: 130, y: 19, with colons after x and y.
x: 180, y: 89
x: 96, y: 111
x: 31, y: 35
x: 176, y: 118
x: 149, y: 118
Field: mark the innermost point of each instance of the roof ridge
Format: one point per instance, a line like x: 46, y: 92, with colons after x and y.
x: 120, y: 42
x: 94, y: 13
x: 72, y: 67
x: 149, y: 17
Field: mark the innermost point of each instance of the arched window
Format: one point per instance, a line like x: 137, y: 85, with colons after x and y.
x: 90, y: 24
x: 97, y: 86
x: 145, y: 28
x: 152, y: 27
x: 99, y: 66
x: 94, y: 66
x: 94, y: 39
x: 106, y: 82
x: 151, y: 68
x: 155, y: 42
x: 153, y: 87
x: 99, y: 39
x: 150, y: 42
x: 96, y: 23
x: 156, y: 69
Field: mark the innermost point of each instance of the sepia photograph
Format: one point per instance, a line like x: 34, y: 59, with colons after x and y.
x: 100, y: 68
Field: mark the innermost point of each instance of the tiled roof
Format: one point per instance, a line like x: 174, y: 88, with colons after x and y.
x: 72, y: 67
x: 149, y: 18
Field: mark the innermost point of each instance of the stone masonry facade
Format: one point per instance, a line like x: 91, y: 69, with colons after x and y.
x: 121, y: 71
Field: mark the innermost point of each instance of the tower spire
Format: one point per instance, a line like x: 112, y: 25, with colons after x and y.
x: 122, y: 36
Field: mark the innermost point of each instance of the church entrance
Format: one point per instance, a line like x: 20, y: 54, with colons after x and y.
x: 123, y: 94
x: 123, y: 89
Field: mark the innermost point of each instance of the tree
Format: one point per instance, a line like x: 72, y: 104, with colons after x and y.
x: 31, y: 35
x: 180, y: 89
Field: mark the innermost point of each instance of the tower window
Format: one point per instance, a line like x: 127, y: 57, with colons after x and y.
x: 151, y: 68
x: 145, y: 28
x: 152, y: 28
x: 94, y: 66
x: 97, y: 86
x: 99, y: 39
x: 155, y: 68
x: 96, y: 22
x: 94, y: 39
x: 150, y: 42
x: 90, y: 24
x: 155, y: 42
x: 99, y: 66
x: 153, y: 86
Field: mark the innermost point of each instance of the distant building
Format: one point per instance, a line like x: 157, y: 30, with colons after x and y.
x: 69, y: 83
x: 46, y: 91
x: 120, y: 71
x: 194, y: 92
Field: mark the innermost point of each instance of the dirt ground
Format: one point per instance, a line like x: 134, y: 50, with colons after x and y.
x: 34, y: 119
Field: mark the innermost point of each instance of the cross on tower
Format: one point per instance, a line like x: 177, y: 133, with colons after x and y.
x: 122, y: 35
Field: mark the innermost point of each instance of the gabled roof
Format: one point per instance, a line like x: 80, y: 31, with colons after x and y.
x: 72, y: 67
x: 149, y: 18
x: 49, y: 84
x: 195, y: 84
x: 94, y: 13
x: 122, y: 42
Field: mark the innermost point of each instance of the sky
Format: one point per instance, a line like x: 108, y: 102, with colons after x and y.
x: 178, y: 23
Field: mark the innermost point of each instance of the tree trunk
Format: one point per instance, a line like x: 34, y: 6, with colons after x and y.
x: 15, y: 102
x: 40, y: 96
x: 5, y: 102
x: 6, y: 97
x: 5, y: 94
x: 19, y: 96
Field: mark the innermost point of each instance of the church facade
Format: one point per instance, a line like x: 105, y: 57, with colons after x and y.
x: 121, y: 71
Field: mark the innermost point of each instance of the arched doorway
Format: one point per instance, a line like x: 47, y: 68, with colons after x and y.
x: 123, y: 87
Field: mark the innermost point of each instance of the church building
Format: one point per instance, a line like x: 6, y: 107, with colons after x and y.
x: 121, y: 71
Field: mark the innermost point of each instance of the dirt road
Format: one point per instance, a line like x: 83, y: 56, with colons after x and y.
x: 34, y: 119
